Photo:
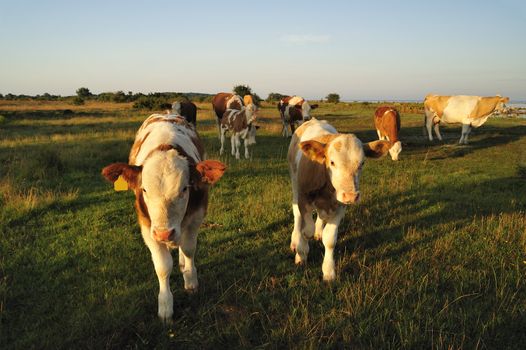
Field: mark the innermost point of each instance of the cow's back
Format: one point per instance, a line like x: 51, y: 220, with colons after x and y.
x: 159, y: 129
x: 387, y: 121
x: 220, y: 103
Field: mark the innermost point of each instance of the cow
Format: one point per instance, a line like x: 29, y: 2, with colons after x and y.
x: 470, y: 111
x: 242, y: 126
x: 186, y: 109
x: 223, y: 101
x: 324, y: 168
x: 170, y: 178
x: 293, y: 110
x: 387, y: 124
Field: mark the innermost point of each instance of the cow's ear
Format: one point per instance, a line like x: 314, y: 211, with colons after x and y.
x: 210, y: 170
x: 314, y: 106
x: 130, y: 173
x: 376, y: 149
x: 314, y: 150
x: 505, y: 99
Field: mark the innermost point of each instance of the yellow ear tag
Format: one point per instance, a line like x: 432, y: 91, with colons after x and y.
x: 120, y: 184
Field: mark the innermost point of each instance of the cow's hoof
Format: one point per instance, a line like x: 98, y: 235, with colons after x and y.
x: 191, y: 291
x: 317, y: 236
x: 298, y: 260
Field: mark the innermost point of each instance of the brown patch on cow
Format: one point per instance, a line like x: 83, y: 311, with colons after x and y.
x: 219, y: 104
x: 387, y: 121
x: 313, y: 150
x: 134, y: 152
x: 436, y: 104
x: 337, y: 146
x: 314, y: 186
x: 485, y: 106
x: 235, y: 120
x: 248, y: 99
x: 142, y: 209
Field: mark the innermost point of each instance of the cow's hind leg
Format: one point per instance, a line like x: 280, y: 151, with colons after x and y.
x: 247, y: 153
x: 466, y: 129
x: 222, y: 138
x: 163, y: 263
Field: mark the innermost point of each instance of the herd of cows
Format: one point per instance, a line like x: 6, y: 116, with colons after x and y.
x: 170, y: 176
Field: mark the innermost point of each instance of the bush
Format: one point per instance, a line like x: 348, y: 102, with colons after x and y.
x: 78, y: 101
x: 275, y: 97
x: 3, y: 120
x: 333, y: 98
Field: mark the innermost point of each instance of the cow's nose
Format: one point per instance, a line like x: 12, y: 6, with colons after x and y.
x: 350, y: 197
x: 163, y: 235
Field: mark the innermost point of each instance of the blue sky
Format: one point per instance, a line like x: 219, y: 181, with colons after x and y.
x: 360, y: 49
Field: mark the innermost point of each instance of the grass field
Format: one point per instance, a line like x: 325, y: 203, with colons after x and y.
x: 434, y: 256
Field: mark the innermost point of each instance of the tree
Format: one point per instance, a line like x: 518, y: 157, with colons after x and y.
x: 242, y: 90
x: 83, y: 93
x: 78, y: 101
x: 274, y: 97
x: 333, y: 97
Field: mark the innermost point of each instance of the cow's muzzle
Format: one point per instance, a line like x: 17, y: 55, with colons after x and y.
x: 164, y: 236
x: 350, y: 197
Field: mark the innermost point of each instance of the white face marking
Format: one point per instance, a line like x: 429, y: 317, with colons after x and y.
x: 395, y: 150
x: 345, y: 166
x: 165, y: 185
x: 305, y: 110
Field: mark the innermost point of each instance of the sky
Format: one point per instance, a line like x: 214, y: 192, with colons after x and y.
x: 362, y: 50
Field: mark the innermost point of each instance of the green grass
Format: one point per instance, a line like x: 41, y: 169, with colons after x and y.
x: 433, y: 257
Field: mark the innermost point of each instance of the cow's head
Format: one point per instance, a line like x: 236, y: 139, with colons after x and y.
x: 501, y: 104
x: 163, y: 186
x: 306, y: 108
x: 395, y: 150
x: 343, y: 156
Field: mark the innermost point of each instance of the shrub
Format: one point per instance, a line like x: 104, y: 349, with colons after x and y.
x: 333, y: 98
x: 78, y: 101
x: 3, y: 120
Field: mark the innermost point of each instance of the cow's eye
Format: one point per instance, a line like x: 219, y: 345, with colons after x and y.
x: 332, y: 163
x: 144, y: 190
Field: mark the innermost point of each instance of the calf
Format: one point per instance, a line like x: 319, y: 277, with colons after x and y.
x: 170, y: 179
x: 242, y: 126
x: 293, y: 110
x: 324, y: 168
x: 186, y: 109
x: 387, y: 123
x: 223, y: 101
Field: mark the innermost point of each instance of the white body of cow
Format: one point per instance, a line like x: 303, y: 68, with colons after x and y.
x: 470, y: 111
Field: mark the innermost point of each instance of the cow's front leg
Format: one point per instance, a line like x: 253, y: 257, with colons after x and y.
x: 429, y: 127
x: 238, y: 145
x: 329, y: 237
x: 233, y: 143
x: 222, y: 137
x: 303, y: 230
x: 163, y: 263
x: 187, y: 249
x: 318, y: 228
x: 247, y: 154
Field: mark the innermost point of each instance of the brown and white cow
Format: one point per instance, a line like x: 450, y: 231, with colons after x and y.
x: 242, y: 126
x: 187, y: 110
x: 293, y: 110
x: 470, y: 111
x: 387, y: 124
x: 325, y: 168
x: 170, y: 179
x: 223, y: 101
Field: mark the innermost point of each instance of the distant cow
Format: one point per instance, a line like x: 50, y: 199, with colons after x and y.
x: 223, y: 101
x: 293, y: 110
x: 470, y: 111
x: 325, y: 168
x: 186, y: 109
x: 242, y: 126
x: 170, y: 179
x: 387, y: 124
